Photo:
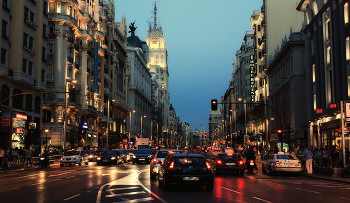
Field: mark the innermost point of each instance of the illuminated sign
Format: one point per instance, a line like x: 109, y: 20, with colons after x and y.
x: 333, y: 106
x: 252, y: 78
x: 85, y: 126
x: 319, y: 111
x: 21, y: 116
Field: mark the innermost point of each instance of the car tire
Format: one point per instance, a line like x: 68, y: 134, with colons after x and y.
x: 80, y: 162
x: 271, y: 171
x: 86, y: 163
x: 263, y: 169
x: 241, y: 172
x: 133, y: 163
x: 98, y: 163
x: 210, y: 187
x: 61, y: 165
x: 152, y: 176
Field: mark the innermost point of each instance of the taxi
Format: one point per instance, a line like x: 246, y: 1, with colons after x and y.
x: 282, y: 163
x: 158, y: 159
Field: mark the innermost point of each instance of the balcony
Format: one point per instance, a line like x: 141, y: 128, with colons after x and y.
x: 5, y: 8
x: 5, y: 37
x: 70, y: 59
x: 31, y: 24
x: 33, y: 2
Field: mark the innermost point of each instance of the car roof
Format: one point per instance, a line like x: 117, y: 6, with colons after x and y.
x: 224, y: 153
x: 187, y: 155
x: 170, y: 150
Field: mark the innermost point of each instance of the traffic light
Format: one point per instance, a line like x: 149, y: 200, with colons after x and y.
x: 205, y: 134
x: 214, y: 104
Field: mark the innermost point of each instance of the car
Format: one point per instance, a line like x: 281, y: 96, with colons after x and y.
x: 159, y: 158
x: 74, y: 157
x: 228, y: 150
x: 228, y: 162
x: 109, y: 157
x: 92, y: 155
x: 132, y: 153
x: 216, y: 149
x: 186, y: 169
x: 282, y: 163
x: 142, y: 156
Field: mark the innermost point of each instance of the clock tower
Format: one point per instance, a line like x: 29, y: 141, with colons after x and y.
x: 157, y: 62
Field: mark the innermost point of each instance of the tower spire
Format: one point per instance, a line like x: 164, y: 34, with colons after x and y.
x: 155, y: 16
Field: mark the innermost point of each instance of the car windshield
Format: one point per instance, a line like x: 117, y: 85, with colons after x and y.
x: 188, y: 160
x: 163, y: 154
x: 289, y: 157
x: 70, y: 153
x: 225, y: 156
x: 109, y: 153
x: 143, y: 151
x: 132, y: 151
x: 91, y: 152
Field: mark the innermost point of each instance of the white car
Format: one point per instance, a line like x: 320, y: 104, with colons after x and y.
x: 75, y: 157
x: 281, y: 163
x: 159, y: 158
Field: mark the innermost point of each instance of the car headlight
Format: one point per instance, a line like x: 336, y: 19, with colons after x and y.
x: 42, y: 158
x: 98, y: 158
x: 61, y: 158
x: 76, y: 158
x: 113, y: 158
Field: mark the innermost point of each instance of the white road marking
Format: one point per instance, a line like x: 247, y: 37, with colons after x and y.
x: 58, y: 174
x: 124, y: 194
x: 53, y: 180
x: 231, y: 190
x: 93, y: 189
x: 308, y: 190
x: 71, y: 197
x: 344, y: 198
x: 10, y: 189
x: 261, y: 199
x: 136, y: 200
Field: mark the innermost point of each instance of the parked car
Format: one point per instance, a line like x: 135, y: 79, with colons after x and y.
x: 228, y: 162
x: 159, y: 158
x: 74, y: 157
x: 142, y: 156
x: 92, y: 155
x: 109, y: 157
x: 282, y: 163
x: 186, y: 169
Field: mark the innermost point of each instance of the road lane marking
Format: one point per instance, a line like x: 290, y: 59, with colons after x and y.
x: 231, y: 190
x: 262, y: 200
x: 146, y: 199
x: 53, y: 180
x: 10, y: 189
x: 93, y: 189
x: 308, y: 190
x: 71, y: 197
x: 344, y: 198
x: 124, y: 194
x: 58, y: 174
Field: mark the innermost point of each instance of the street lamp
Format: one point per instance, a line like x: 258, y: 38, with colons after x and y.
x: 141, y: 126
x: 266, y: 127
x: 113, y: 100
x: 130, y: 126
x: 65, y: 114
x: 46, y: 130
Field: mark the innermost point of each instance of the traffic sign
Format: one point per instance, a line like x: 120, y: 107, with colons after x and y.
x: 246, y: 138
x: 346, y: 130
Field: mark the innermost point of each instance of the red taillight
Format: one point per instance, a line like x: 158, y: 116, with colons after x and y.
x: 171, y: 165
x: 277, y: 163
x: 251, y: 161
x: 186, y: 161
x: 240, y: 162
x: 154, y: 161
x: 218, y: 162
x: 299, y: 163
x: 208, y: 165
x: 229, y: 154
x: 170, y: 152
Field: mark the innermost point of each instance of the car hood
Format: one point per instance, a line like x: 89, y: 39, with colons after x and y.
x: 142, y: 155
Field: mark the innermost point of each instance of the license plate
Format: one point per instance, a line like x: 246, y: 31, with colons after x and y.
x: 191, y: 178
x: 141, y: 159
x: 230, y: 164
x: 252, y: 164
x: 105, y: 160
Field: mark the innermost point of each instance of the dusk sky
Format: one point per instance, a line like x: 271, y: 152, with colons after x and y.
x: 202, y: 37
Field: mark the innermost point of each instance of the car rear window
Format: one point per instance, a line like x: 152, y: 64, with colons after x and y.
x: 163, y: 154
x: 109, y: 153
x: 289, y: 157
x: 225, y: 156
x: 189, y: 160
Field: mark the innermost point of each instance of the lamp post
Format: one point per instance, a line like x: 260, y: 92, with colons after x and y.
x: 141, y: 126
x: 130, y: 127
x: 265, y: 112
x: 46, y: 130
x: 231, y: 127
x: 245, y: 114
x: 107, y: 133
x: 65, y: 114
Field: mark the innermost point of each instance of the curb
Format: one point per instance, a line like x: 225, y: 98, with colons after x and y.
x: 327, y: 178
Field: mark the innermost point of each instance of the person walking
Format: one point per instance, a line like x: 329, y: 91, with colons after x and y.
x: 10, y: 157
x: 2, y: 155
x: 308, y: 156
x: 29, y: 157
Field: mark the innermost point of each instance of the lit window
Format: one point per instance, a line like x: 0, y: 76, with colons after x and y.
x: 347, y: 46
x: 346, y: 13
x: 328, y: 55
x: 313, y: 73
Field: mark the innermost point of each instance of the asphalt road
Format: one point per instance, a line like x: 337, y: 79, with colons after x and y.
x: 131, y: 183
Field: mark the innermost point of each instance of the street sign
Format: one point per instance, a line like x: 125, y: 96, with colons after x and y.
x: 347, y: 111
x: 246, y: 138
x: 346, y: 130
x: 6, y: 117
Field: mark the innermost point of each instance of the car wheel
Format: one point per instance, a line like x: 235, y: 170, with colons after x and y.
x: 241, y: 172
x: 133, y: 163
x: 210, y: 187
x: 152, y: 176
x: 271, y: 172
x: 61, y: 165
x: 98, y: 163
x: 165, y: 183
x: 263, y: 169
x: 86, y: 163
x: 80, y: 163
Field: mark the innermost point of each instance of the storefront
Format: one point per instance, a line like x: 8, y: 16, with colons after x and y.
x: 18, y: 130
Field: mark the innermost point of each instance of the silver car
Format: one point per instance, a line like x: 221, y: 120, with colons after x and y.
x: 75, y: 157
x: 281, y: 163
x: 159, y: 158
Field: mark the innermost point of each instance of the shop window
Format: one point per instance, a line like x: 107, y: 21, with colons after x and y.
x: 17, y: 101
x: 5, y: 93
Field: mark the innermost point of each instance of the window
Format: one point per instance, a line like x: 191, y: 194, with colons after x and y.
x: 156, y: 56
x: 3, y: 56
x: 347, y: 47
x: 26, y: 11
x: 17, y: 101
x: 25, y: 40
x: 31, y: 43
x: 328, y: 30
x: 45, y: 8
x: 328, y: 55
x: 4, y: 34
x: 29, y: 102
x: 43, y: 54
x: 43, y: 75
x: 44, y: 31
x: 37, y: 105
x: 30, y: 68
x: 24, y: 66
x: 162, y: 56
x: 5, y: 93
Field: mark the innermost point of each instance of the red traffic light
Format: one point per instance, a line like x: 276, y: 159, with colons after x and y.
x: 214, y: 104
x: 279, y: 131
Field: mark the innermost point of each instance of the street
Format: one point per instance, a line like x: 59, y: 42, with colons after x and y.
x: 131, y: 183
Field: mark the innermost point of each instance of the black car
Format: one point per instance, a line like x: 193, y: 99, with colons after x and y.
x: 142, y: 156
x: 229, y: 162
x: 92, y: 155
x: 186, y: 169
x: 109, y: 157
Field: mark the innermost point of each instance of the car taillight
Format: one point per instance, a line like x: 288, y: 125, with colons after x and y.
x: 186, y: 161
x: 277, y: 163
x: 208, y: 165
x: 299, y: 163
x: 240, y: 162
x: 218, y: 162
x: 229, y: 154
x: 171, y: 166
x: 251, y: 161
x: 154, y: 161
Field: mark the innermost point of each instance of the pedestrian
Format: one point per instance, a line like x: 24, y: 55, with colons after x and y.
x: 2, y: 155
x: 15, y: 155
x: 308, y: 156
x: 29, y: 157
x: 324, y: 157
x: 10, y: 157
x: 319, y: 157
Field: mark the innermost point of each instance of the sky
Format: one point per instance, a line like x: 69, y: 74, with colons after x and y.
x: 202, y: 37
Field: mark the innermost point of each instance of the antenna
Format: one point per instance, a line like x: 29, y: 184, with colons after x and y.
x: 155, y: 16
